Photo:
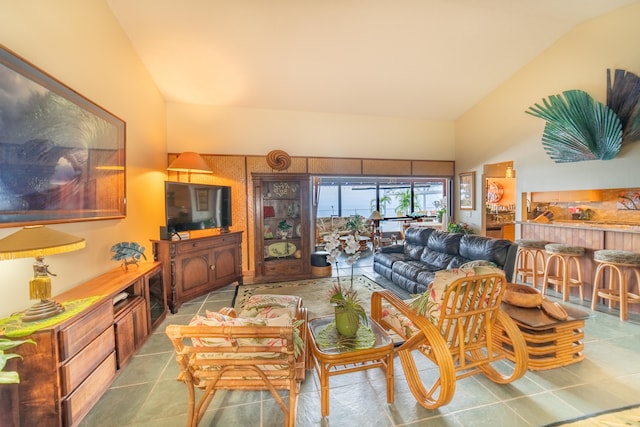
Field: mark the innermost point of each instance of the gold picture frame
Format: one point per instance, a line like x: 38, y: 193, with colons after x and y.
x: 467, y: 190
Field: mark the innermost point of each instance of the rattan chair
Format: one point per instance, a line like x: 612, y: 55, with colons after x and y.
x: 459, y: 342
x: 242, y: 358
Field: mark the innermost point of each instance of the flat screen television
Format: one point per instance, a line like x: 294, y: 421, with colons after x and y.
x: 191, y: 206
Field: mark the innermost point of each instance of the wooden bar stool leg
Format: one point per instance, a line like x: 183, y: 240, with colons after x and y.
x: 632, y: 298
x: 539, y: 266
x: 545, y: 281
x: 566, y: 277
x: 615, y: 286
x: 521, y: 265
x: 624, y: 296
x: 596, y: 281
x: 578, y: 281
x: 545, y: 278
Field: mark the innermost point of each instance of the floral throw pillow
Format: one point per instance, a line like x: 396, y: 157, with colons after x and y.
x: 429, y: 304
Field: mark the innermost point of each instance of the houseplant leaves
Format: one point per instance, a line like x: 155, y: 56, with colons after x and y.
x: 578, y: 128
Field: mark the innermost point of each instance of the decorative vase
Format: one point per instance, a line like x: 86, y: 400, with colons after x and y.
x: 347, y: 322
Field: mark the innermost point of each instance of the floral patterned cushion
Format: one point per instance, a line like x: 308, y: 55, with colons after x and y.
x: 265, y: 306
x: 217, y: 319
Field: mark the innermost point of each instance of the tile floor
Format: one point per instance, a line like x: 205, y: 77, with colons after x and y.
x: 146, y: 393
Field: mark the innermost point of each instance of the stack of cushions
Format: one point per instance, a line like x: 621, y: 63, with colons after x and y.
x: 259, y: 310
x: 429, y: 303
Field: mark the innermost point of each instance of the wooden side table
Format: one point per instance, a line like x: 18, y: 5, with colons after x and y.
x: 551, y: 343
x: 330, y: 362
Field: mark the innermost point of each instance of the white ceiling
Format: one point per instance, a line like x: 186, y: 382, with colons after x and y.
x: 430, y: 59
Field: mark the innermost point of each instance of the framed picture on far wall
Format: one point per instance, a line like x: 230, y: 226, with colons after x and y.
x: 62, y: 157
x: 467, y: 191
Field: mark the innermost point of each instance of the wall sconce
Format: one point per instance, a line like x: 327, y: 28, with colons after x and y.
x: 510, y: 173
x: 190, y: 162
x: 38, y: 241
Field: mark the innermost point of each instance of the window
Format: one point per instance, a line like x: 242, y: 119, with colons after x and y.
x: 392, y: 197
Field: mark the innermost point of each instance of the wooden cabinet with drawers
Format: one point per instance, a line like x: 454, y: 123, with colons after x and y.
x: 199, y: 265
x: 75, y: 360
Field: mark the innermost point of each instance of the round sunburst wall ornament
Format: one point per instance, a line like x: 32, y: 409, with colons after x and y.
x: 278, y: 160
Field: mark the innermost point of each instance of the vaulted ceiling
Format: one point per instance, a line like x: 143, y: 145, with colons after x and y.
x: 429, y: 59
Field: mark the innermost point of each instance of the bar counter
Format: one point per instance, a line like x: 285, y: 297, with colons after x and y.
x: 592, y: 236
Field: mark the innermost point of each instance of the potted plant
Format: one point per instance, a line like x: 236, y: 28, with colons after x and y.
x: 284, y: 227
x: 404, y: 203
x: 461, y: 227
x: 10, y: 377
x: 356, y: 224
x: 441, y: 209
x: 348, y: 310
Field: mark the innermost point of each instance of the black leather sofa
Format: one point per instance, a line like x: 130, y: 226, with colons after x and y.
x: 412, y: 265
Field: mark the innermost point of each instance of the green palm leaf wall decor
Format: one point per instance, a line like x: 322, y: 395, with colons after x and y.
x: 623, y: 97
x: 578, y: 128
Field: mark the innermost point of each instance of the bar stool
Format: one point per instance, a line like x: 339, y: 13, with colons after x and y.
x: 530, y: 260
x: 622, y: 265
x: 562, y: 257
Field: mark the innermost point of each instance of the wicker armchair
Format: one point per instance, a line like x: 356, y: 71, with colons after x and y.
x: 240, y: 354
x: 457, y: 336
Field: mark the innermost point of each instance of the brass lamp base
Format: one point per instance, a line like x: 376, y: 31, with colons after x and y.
x: 42, y: 310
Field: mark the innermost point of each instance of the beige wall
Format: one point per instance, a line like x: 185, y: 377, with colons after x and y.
x: 217, y: 130
x: 81, y: 44
x: 497, y: 129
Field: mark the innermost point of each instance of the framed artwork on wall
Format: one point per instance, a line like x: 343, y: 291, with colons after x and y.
x: 467, y: 191
x: 62, y: 157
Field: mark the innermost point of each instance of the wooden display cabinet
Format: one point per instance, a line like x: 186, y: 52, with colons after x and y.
x: 199, y: 265
x: 282, y: 252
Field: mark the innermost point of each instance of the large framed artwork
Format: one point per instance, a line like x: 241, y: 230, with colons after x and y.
x: 467, y: 191
x: 62, y: 157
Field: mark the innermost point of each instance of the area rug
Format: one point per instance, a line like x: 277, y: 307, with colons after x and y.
x: 314, y: 292
x: 627, y: 416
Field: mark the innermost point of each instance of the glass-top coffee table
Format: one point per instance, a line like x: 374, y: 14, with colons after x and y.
x: 337, y: 360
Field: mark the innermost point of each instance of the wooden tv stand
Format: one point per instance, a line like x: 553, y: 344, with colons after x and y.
x: 75, y: 361
x: 196, y: 266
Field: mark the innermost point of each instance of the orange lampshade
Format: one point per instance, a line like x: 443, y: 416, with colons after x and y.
x: 190, y: 162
